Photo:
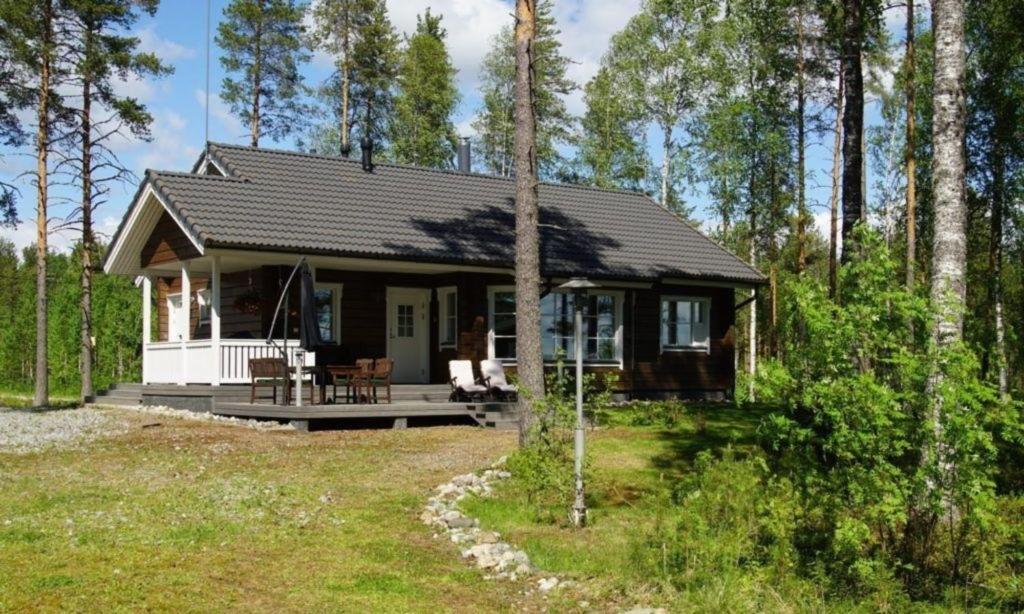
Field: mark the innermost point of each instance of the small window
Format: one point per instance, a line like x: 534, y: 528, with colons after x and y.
x: 447, y: 303
x: 406, y: 320
x: 327, y: 298
x: 503, y: 324
x: 684, y: 323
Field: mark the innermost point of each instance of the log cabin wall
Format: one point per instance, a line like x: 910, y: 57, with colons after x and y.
x: 646, y: 372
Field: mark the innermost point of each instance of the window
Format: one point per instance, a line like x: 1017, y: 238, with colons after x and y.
x: 327, y: 298
x: 684, y: 323
x: 602, y: 319
x: 406, y: 321
x: 447, y: 303
x: 203, y: 302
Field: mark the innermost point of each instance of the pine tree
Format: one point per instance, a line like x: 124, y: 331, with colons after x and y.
x: 422, y: 132
x: 101, y: 54
x: 375, y: 66
x: 335, y: 29
x: 529, y: 357
x: 611, y: 144
x: 262, y: 41
x: 494, y: 123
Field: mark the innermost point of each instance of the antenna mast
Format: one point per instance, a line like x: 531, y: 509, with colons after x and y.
x: 206, y: 133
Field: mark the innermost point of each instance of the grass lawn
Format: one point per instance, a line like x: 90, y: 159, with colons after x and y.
x: 195, y: 516
x: 632, y: 473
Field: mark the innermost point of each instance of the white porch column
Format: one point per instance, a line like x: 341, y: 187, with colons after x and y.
x: 185, y: 322
x: 215, y: 319
x: 147, y: 324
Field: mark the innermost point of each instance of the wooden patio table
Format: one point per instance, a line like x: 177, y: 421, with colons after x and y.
x: 349, y: 372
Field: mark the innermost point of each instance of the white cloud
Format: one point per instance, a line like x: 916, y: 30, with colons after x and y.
x: 219, y: 110
x: 166, y: 50
x: 169, y: 149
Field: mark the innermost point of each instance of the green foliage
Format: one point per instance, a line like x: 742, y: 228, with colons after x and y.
x: 542, y: 469
x: 611, y: 144
x: 117, y: 322
x: 422, y: 132
x: 886, y: 492
x: 263, y: 48
x: 494, y: 123
x: 374, y: 65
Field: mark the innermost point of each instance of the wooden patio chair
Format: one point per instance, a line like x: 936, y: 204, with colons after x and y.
x: 361, y: 381
x: 494, y: 378
x: 269, y: 373
x: 464, y: 386
x: 381, y: 376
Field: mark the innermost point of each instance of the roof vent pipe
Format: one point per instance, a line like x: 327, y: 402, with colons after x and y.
x: 367, y: 146
x: 464, y: 155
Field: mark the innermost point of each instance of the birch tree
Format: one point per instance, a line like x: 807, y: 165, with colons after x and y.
x: 657, y: 58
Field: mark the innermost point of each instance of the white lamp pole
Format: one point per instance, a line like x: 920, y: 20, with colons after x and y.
x: 579, y: 287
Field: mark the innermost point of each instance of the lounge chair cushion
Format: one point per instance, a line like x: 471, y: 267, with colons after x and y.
x: 461, y: 372
x: 495, y: 375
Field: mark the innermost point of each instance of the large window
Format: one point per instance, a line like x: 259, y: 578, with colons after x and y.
x: 447, y: 323
x: 684, y: 323
x: 601, y: 326
x: 328, y: 311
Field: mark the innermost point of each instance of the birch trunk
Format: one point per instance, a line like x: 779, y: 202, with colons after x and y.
x: 995, y: 252
x: 42, y: 383
x: 833, y: 243
x: 911, y: 160
x: 752, y: 316
x: 853, y: 123
x: 529, y: 359
x: 949, y: 249
x: 666, y: 162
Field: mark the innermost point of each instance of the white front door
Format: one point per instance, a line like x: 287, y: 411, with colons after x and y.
x: 409, y: 333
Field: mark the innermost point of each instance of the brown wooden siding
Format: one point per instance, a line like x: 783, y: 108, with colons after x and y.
x: 646, y: 370
x: 167, y: 243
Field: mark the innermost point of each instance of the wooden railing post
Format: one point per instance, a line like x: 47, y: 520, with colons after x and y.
x: 185, y: 321
x: 147, y: 325
x: 215, y: 320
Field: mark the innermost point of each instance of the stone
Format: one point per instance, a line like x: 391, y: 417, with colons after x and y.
x: 547, y: 584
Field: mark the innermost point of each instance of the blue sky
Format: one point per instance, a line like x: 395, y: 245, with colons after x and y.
x: 177, y: 34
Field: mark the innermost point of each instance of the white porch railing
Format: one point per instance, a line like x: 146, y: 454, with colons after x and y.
x: 163, y: 361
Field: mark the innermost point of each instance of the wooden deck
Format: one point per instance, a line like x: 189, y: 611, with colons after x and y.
x: 411, y: 404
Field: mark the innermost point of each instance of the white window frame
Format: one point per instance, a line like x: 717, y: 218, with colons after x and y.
x: 620, y: 299
x: 443, y: 318
x: 203, y: 303
x: 705, y: 303
x: 337, y: 288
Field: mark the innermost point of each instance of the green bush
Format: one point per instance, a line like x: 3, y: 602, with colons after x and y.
x: 543, y: 469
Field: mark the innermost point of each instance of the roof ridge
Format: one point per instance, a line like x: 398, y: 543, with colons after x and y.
x: 157, y: 174
x: 427, y: 169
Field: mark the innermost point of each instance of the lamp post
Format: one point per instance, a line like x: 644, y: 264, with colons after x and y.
x: 579, y: 287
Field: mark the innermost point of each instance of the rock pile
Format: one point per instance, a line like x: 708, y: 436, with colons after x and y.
x: 484, y: 548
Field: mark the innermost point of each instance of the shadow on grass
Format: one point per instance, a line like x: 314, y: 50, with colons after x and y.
x: 709, y: 427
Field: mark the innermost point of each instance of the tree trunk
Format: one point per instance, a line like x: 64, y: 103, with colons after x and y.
x: 801, y: 154
x: 666, y: 162
x: 752, y: 316
x: 949, y: 249
x: 529, y: 358
x: 257, y: 83
x: 833, y: 243
x: 995, y: 251
x: 853, y: 123
x: 345, y: 68
x: 42, y: 383
x: 911, y: 153
x: 87, y: 234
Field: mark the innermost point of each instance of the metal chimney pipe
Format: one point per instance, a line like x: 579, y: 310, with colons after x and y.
x: 366, y: 143
x: 465, y: 162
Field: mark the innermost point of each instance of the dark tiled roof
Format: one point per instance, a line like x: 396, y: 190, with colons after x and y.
x: 320, y: 204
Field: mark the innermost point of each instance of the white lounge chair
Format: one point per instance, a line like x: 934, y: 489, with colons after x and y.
x: 494, y: 378
x: 464, y: 386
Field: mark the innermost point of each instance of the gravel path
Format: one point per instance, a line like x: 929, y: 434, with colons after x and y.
x: 23, y: 431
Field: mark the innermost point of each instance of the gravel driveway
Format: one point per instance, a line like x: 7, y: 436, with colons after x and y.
x: 23, y: 431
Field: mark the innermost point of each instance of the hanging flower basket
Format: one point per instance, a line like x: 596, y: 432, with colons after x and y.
x: 248, y: 302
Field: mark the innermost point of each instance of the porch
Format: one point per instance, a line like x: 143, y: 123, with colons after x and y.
x: 411, y: 405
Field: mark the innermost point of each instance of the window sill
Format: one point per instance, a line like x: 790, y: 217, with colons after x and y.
x: 691, y: 348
